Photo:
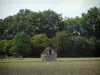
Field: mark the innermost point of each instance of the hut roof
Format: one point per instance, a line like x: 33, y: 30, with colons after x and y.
x: 48, y: 48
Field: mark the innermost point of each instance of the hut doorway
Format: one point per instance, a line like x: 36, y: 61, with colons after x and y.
x: 50, y: 52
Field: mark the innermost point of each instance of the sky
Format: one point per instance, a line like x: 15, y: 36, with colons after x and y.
x: 68, y: 8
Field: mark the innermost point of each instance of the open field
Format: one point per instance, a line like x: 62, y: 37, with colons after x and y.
x: 63, y: 66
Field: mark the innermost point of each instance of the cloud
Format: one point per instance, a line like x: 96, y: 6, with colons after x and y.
x: 91, y: 3
x: 71, y: 5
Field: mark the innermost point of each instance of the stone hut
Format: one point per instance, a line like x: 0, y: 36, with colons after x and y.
x: 49, y: 54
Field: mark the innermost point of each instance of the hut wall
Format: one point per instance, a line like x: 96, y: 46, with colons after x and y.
x: 47, y: 57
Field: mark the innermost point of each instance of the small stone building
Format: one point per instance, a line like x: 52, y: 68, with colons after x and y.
x: 49, y: 54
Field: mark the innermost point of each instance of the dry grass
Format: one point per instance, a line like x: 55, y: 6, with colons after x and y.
x: 63, y: 66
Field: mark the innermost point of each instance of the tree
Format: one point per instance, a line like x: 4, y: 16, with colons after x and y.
x: 3, y: 47
x: 72, y: 25
x: 21, y: 44
x: 2, y: 29
x: 39, y: 43
x: 90, y: 22
x: 62, y: 41
x: 27, y: 33
x: 48, y: 22
x: 40, y: 39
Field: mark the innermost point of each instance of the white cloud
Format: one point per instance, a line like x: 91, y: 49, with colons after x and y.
x: 70, y: 8
x: 71, y: 5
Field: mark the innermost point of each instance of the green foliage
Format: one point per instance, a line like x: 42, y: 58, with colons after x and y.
x: 21, y: 43
x: 40, y: 39
x: 28, y: 33
x: 3, y: 47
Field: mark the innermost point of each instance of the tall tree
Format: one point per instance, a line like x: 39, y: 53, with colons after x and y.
x: 21, y: 43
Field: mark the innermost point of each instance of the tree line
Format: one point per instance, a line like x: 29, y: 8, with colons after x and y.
x: 28, y: 33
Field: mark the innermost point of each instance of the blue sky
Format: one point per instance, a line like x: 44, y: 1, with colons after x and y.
x: 68, y: 8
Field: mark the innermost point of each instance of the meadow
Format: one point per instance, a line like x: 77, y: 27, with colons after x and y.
x: 63, y: 66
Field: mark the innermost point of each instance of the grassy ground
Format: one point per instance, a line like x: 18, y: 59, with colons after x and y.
x: 63, y: 66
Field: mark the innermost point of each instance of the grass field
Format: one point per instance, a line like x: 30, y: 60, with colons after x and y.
x: 63, y: 66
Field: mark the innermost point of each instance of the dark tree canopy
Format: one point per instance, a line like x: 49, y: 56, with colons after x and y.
x: 28, y: 33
